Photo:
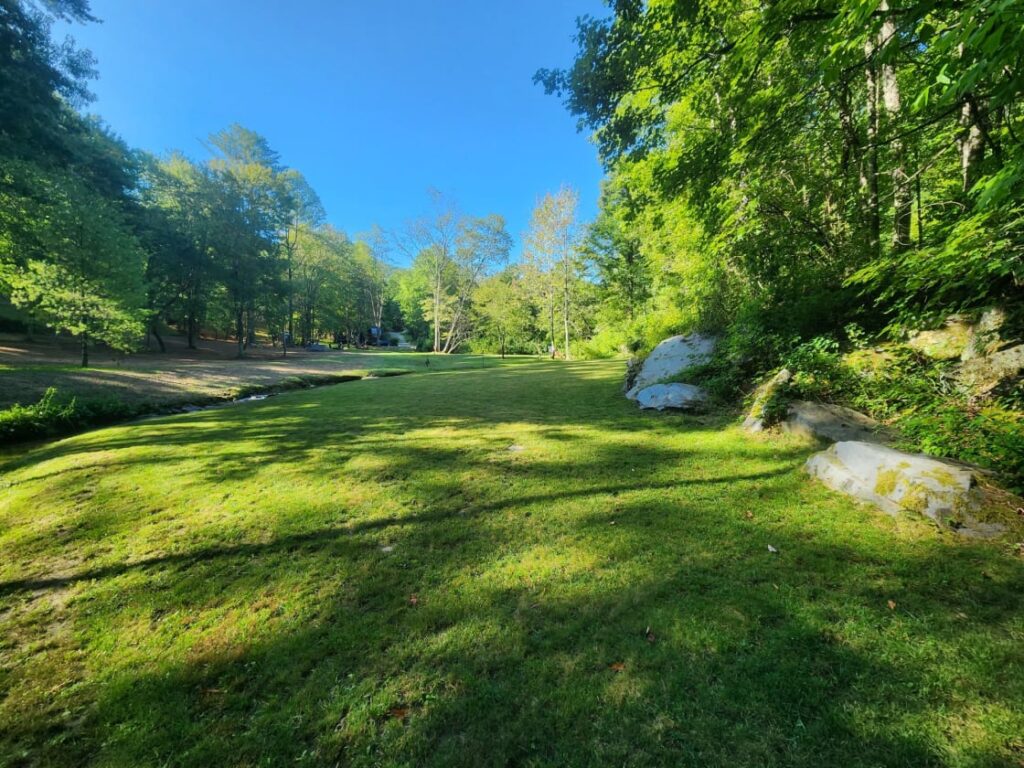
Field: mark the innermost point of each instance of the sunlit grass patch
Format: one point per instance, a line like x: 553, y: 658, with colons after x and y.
x: 508, y: 565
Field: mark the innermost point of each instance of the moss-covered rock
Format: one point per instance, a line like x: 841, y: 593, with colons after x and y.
x: 903, y: 482
x: 767, y: 407
x: 983, y: 374
x: 946, y: 343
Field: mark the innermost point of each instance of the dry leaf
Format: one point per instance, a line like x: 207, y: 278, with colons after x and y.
x: 414, y: 600
x: 749, y: 515
x: 618, y: 666
x: 399, y: 713
x: 773, y: 550
x: 892, y: 605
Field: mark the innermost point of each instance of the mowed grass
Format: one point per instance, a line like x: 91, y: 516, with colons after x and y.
x: 509, y: 566
x: 150, y: 381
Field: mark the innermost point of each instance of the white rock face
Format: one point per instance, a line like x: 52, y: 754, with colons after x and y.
x: 685, y: 397
x: 832, y: 422
x: 671, y: 357
x: 897, y: 481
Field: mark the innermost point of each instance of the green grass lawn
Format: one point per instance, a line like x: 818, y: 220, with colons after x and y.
x: 510, y: 566
x: 150, y: 381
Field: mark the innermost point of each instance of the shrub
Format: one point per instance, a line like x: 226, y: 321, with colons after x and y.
x: 20, y: 422
x: 51, y: 416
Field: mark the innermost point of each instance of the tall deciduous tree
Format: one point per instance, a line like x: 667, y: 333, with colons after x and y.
x: 554, y: 262
x: 84, y: 275
x: 256, y: 206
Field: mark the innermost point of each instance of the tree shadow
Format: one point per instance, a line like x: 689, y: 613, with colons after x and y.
x: 482, y: 619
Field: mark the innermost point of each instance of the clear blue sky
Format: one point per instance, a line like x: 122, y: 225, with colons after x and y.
x: 373, y: 101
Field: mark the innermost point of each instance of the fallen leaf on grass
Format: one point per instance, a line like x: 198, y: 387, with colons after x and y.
x: 414, y: 600
x: 618, y: 666
x: 892, y: 605
x: 399, y: 713
x: 773, y: 550
x: 649, y: 635
x: 749, y: 515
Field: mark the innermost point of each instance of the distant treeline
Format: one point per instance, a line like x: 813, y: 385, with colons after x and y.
x: 109, y: 244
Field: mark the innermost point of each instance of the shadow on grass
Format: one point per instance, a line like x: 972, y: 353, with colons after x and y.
x: 738, y: 673
x: 603, y: 597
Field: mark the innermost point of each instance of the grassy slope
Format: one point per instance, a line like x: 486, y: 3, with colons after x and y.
x: 213, y: 589
x: 155, y: 380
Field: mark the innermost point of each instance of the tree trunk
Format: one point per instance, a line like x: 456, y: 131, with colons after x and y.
x: 551, y: 325
x: 85, y: 350
x: 972, y: 143
x: 565, y: 309
x: 250, y: 328
x: 920, y: 213
x: 240, y: 331
x: 565, y: 299
x: 437, y: 319
x: 291, y: 302
x: 901, y: 191
x: 869, y: 178
x: 158, y: 337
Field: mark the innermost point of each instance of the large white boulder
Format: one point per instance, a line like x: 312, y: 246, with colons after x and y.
x: 897, y: 481
x: 670, y: 358
x: 685, y: 397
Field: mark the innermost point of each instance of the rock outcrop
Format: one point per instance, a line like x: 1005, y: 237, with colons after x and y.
x: 981, y: 375
x: 684, y: 397
x: 946, y: 343
x: 825, y: 421
x: 670, y: 358
x: 961, y: 339
x: 633, y: 366
x: 759, y: 416
x: 896, y: 482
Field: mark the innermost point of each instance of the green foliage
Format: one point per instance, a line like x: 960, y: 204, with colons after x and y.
x: 918, y: 397
x: 53, y: 416
x: 504, y: 319
x: 801, y: 167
